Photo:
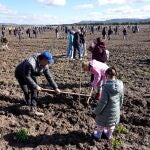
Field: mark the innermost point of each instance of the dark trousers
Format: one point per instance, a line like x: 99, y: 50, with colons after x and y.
x: 76, y: 48
x: 30, y: 93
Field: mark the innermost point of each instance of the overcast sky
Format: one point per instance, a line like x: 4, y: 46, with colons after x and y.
x: 70, y: 11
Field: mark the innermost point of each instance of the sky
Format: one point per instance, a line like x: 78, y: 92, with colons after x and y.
x: 70, y: 11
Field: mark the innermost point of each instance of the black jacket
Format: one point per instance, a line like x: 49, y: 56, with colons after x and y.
x: 30, y: 68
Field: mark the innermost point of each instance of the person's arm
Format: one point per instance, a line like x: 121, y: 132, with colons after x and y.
x: 103, y: 101
x: 122, y: 94
x: 50, y: 79
x: 27, y: 75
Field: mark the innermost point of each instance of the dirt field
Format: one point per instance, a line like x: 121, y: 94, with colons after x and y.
x: 68, y: 121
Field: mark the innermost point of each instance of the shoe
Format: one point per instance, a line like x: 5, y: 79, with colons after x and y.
x: 34, y: 112
x: 33, y: 102
x: 106, y: 133
x: 27, y: 102
x: 95, y: 138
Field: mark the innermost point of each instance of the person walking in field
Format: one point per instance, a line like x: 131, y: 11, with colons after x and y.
x: 3, y: 31
x: 56, y: 32
x: 27, y: 71
x: 104, y: 33
x: 28, y: 32
x: 110, y: 32
x: 108, y: 108
x: 125, y: 34
x: 98, y: 70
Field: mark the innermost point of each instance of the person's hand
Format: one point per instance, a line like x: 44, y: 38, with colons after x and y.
x: 57, y: 91
x: 38, y: 88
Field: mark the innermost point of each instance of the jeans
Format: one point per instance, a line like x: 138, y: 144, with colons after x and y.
x: 70, y: 51
x: 76, y: 48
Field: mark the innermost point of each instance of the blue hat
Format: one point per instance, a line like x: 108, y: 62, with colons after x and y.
x: 47, y: 55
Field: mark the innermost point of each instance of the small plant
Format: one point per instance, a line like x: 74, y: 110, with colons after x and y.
x: 22, y: 135
x: 117, y: 143
x: 121, y: 77
x: 121, y: 129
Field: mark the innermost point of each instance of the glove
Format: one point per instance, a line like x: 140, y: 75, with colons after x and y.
x: 57, y: 91
x: 38, y: 88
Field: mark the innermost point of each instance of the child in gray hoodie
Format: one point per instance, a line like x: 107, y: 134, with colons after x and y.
x: 108, y: 109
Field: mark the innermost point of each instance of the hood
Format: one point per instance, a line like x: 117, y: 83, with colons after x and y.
x: 114, y: 86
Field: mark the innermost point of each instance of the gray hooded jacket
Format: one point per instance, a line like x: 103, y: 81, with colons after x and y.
x: 108, y: 108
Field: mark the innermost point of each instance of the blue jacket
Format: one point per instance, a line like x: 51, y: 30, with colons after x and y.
x: 108, y: 108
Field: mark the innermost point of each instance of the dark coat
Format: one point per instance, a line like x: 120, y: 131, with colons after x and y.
x: 30, y: 68
x: 99, y: 53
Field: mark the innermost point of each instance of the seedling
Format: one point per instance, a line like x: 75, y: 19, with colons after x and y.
x: 121, y: 77
x: 121, y: 129
x: 117, y: 143
x: 22, y: 135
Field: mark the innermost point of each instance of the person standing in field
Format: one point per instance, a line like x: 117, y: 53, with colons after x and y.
x: 83, y: 43
x: 3, y: 31
x: 108, y: 108
x: 104, y: 33
x: 77, y: 44
x: 110, y: 32
x: 125, y: 34
x: 28, y: 32
x: 56, y: 32
x: 70, y: 38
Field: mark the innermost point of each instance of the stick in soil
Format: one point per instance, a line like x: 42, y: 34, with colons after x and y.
x: 80, y: 80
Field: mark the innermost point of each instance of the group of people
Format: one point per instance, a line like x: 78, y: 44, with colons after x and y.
x: 76, y: 43
x: 109, y: 33
x: 109, y: 90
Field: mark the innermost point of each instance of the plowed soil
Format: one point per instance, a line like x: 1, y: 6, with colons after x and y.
x: 67, y: 123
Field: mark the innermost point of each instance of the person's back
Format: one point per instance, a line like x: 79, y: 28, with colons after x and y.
x: 114, y: 91
x: 108, y: 109
x: 76, y: 40
x: 32, y: 61
x: 98, y: 66
x: 99, y: 53
x: 104, y: 31
x: 124, y: 31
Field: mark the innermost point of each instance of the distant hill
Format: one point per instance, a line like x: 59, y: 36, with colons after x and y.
x: 8, y: 24
x: 111, y: 21
x: 119, y: 21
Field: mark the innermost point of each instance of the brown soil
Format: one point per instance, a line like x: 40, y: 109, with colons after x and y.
x: 68, y: 122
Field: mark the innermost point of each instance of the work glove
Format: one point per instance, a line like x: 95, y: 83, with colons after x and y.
x: 38, y: 88
x: 57, y: 91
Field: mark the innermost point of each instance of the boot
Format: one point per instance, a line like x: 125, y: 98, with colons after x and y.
x: 34, y: 112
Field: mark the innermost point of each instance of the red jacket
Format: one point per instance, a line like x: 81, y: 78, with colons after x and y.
x: 99, y: 53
